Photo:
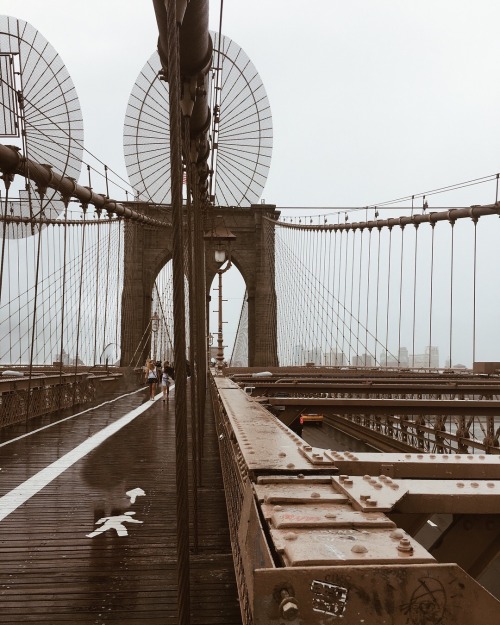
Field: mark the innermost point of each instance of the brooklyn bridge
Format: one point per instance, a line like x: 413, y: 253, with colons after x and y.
x: 338, y: 458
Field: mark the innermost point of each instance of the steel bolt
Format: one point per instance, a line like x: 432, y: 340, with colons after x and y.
x: 289, y: 610
x: 289, y: 607
x: 405, y: 545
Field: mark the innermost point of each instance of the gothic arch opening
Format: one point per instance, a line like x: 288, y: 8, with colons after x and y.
x: 233, y: 300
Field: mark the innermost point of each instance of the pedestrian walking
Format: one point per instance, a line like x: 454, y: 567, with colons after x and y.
x: 151, y: 378
x: 165, y: 385
x: 169, y: 369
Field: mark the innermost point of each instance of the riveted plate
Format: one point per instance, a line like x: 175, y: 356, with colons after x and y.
x: 298, y: 492
x: 321, y: 515
x: 265, y: 442
x: 419, y: 465
x: 334, y: 546
x: 383, y: 493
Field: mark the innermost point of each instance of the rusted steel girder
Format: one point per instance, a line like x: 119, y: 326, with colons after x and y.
x: 307, y: 547
x: 344, y: 405
x: 12, y: 162
x: 195, y: 59
x: 426, y: 387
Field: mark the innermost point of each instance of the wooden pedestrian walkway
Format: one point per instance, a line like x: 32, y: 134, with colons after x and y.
x: 51, y: 499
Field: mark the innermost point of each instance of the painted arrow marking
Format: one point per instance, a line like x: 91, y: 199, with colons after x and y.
x: 133, y: 494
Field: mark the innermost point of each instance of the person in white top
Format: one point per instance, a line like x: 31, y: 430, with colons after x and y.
x: 151, y: 379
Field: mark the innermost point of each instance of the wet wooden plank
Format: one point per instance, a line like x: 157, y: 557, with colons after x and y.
x: 52, y: 572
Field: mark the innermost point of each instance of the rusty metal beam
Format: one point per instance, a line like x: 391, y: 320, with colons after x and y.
x: 377, y: 387
x: 12, y: 162
x: 343, y: 405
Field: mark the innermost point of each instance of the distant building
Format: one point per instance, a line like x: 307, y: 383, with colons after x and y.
x: 363, y: 360
x: 314, y: 355
x: 335, y: 359
x: 432, y: 353
x: 429, y: 359
x: 404, y: 359
x: 387, y: 360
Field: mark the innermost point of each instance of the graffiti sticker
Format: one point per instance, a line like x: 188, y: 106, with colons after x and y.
x: 427, y: 605
x: 328, y: 598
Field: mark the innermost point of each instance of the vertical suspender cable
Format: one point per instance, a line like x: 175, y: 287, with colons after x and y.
x: 388, y: 295
x: 107, y: 285
x: 433, y: 226
x: 329, y: 290
x: 344, y: 359
x: 475, y: 219
x: 324, y: 319
x: 97, y: 283
x: 377, y: 299
x: 334, y: 269
x: 351, y: 316
x: 368, y: 293
x: 414, y: 295
x: 451, y: 287
x: 401, y: 292
x: 63, y: 301
x: 338, y: 300
x: 181, y: 465
x: 362, y: 232
x: 119, y: 261
x: 79, y: 308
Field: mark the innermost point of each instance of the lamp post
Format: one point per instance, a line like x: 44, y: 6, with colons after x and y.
x: 221, y: 237
x: 155, y: 324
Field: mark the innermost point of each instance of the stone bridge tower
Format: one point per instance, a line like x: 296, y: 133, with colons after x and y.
x: 148, y: 249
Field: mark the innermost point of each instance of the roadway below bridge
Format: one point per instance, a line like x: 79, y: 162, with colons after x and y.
x: 326, y: 437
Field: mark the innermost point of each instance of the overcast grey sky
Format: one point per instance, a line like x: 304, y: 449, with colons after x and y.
x: 371, y: 99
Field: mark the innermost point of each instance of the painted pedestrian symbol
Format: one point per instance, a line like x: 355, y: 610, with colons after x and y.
x: 114, y: 523
x: 133, y: 494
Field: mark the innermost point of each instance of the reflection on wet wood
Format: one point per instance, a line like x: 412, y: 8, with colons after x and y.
x: 52, y: 572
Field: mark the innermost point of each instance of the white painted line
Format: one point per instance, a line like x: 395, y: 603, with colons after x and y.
x: 19, y: 495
